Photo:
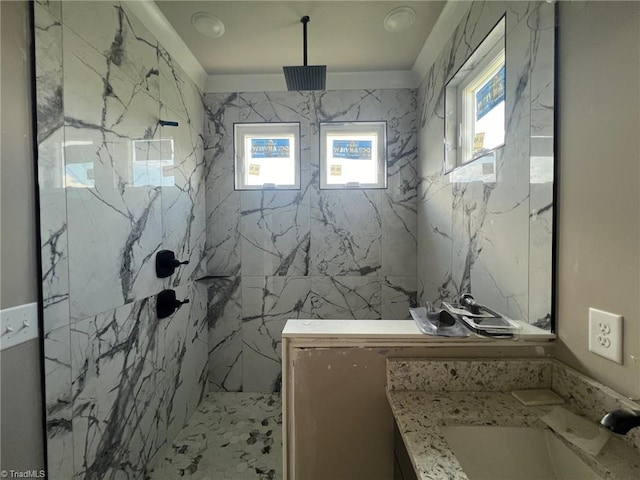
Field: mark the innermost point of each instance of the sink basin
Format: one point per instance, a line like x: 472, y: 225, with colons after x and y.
x: 522, y: 453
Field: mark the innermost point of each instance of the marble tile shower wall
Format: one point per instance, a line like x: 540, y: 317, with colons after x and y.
x: 492, y: 238
x: 115, y: 188
x: 308, y: 253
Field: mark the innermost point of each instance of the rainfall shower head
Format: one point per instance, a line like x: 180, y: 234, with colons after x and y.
x: 305, y: 77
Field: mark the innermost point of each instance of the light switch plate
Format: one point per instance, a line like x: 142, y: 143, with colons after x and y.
x: 605, y: 334
x: 18, y: 325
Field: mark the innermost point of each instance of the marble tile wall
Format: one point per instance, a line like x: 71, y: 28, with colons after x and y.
x: 492, y: 238
x: 307, y: 253
x: 115, y: 188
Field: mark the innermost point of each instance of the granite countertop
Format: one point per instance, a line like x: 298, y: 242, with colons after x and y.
x: 419, y: 415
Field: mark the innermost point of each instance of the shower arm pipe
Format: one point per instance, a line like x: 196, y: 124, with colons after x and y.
x: 304, y: 21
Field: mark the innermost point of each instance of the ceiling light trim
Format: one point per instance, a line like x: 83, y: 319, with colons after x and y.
x: 399, y: 19
x: 207, y: 24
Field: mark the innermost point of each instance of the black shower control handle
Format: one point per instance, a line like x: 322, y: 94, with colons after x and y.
x: 167, y: 303
x: 176, y: 263
x: 166, y: 263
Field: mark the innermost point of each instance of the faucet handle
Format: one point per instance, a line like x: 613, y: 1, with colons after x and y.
x: 621, y: 421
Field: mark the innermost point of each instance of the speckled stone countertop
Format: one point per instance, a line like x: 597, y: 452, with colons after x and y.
x: 419, y: 414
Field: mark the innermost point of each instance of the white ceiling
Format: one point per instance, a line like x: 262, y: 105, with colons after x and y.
x: 262, y: 36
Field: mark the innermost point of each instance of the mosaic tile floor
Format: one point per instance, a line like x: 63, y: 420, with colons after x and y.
x: 231, y: 436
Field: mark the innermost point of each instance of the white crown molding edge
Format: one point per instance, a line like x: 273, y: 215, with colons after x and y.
x: 275, y: 82
x: 451, y: 15
x: 150, y: 15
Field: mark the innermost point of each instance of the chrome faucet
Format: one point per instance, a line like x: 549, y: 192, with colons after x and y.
x: 621, y: 421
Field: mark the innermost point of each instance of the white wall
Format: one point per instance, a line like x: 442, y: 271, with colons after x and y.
x: 599, y: 202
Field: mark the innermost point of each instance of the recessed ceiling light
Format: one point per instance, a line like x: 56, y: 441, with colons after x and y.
x: 208, y: 25
x: 399, y: 19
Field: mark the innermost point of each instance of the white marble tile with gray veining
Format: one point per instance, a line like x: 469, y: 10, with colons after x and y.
x: 104, y: 276
x: 329, y: 241
x: 58, y: 402
x: 267, y: 304
x: 475, y: 224
x: 399, y: 236
x: 102, y: 129
x: 225, y: 334
x: 103, y: 174
x: 402, y: 145
x: 183, y: 200
x: 178, y: 93
x: 111, y: 29
x: 286, y: 107
x: 222, y: 201
x: 50, y: 121
x: 54, y: 7
x: 127, y: 364
x: 490, y: 253
x: 541, y: 164
x: 349, y: 105
x: 398, y: 294
x: 115, y: 362
x: 346, y: 231
x: 275, y: 229
x: 434, y: 227
x: 185, y: 338
x: 48, y: 78
x: 55, y: 265
x: 346, y: 297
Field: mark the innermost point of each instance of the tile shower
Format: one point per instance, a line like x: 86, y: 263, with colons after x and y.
x: 116, y: 188
x: 486, y: 227
x: 309, y: 253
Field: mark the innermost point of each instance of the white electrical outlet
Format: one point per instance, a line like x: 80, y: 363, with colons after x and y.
x: 605, y: 334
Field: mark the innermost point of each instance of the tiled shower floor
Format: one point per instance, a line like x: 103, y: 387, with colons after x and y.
x: 234, y: 436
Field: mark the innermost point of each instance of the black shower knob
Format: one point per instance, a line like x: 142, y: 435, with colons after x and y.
x: 167, y: 303
x: 166, y: 263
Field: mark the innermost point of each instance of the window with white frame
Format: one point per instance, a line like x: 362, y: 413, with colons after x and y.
x: 475, y: 103
x: 267, y: 156
x: 353, y: 155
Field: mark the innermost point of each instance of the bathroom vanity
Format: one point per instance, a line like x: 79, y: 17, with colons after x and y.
x: 337, y: 422
x: 457, y: 419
